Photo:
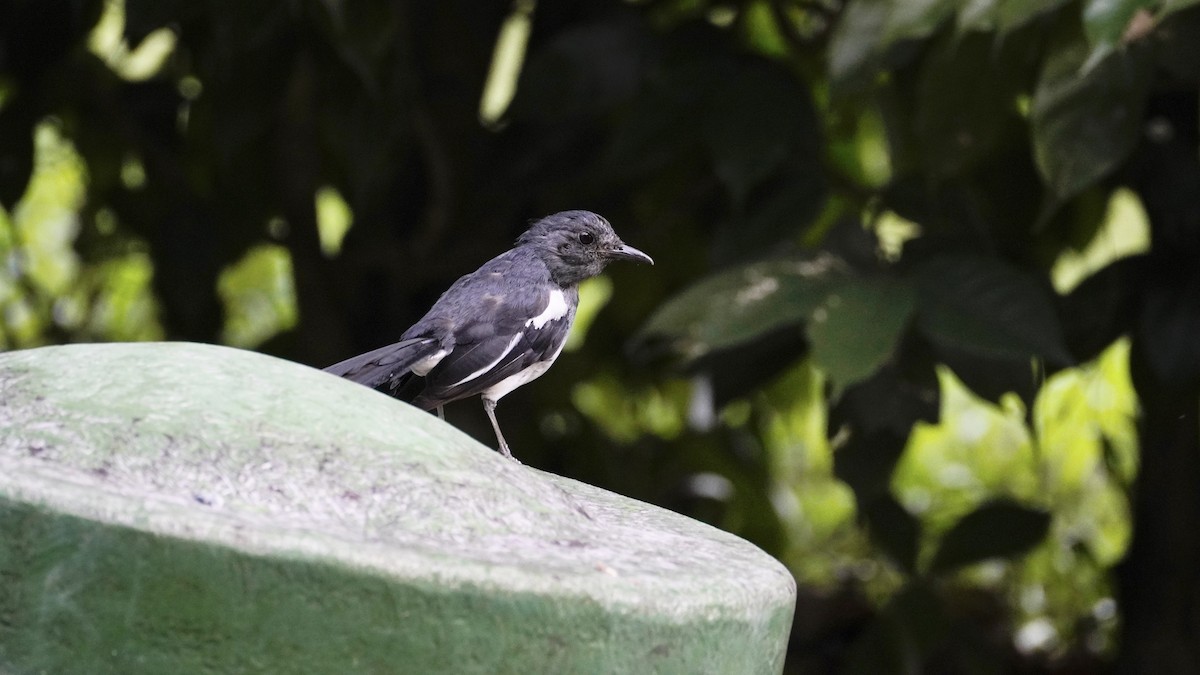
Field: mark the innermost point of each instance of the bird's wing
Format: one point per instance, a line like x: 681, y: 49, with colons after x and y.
x: 472, y: 369
x: 386, y: 364
x: 520, y: 326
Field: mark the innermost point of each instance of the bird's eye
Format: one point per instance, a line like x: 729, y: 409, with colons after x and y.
x: 586, y: 238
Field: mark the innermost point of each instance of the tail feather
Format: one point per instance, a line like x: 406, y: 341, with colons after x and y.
x: 386, y: 364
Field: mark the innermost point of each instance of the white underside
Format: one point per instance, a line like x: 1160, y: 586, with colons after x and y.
x: 503, y: 387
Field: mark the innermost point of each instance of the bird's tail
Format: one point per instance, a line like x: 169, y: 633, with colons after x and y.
x: 386, y: 364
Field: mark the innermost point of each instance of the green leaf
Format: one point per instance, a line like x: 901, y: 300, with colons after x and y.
x: 1086, y: 123
x: 1002, y: 15
x: 743, y: 303
x: 1105, y: 21
x: 977, y: 15
x: 997, y: 529
x: 1012, y: 14
x: 856, y: 328
x: 913, y: 19
x: 982, y: 305
x: 854, y: 45
x: 1172, y: 6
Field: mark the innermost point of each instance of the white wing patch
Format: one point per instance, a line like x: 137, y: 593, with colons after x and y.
x: 511, y: 343
x: 421, y: 368
x: 555, y: 309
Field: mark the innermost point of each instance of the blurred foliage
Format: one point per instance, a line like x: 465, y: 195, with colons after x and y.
x: 915, y: 258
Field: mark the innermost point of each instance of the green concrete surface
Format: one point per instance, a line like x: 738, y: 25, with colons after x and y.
x: 184, y: 508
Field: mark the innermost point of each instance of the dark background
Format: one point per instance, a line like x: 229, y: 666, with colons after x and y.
x: 763, y: 140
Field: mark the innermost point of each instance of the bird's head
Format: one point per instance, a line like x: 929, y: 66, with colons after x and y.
x: 576, y: 245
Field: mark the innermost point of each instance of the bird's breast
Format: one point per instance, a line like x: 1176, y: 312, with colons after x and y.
x: 556, y: 309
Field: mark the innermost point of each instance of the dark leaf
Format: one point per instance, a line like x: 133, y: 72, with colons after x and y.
x: 1177, y: 49
x: 1086, y: 122
x: 895, y: 530
x: 659, y: 124
x: 871, y: 422
x: 865, y: 461
x: 892, y: 400
x: 997, y: 529
x: 756, y: 115
x: 741, y: 304
x: 858, y: 326
x: 958, y: 122
x: 908, y: 636
x: 983, y: 305
x: 583, y: 72
x: 1101, y: 308
x: 880, y: 647
x: 775, y: 212
x: 990, y: 377
x: 918, y: 608
x: 744, y: 368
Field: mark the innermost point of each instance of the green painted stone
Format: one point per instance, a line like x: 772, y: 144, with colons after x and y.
x: 183, y: 508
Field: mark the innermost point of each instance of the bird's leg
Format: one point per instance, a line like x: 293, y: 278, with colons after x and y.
x: 441, y: 414
x: 489, y: 406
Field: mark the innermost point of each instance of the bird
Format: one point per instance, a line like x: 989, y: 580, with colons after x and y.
x: 499, y: 327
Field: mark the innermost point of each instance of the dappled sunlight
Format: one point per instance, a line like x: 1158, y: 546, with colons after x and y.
x: 334, y: 219
x: 1078, y: 463
x: 624, y: 414
x: 1124, y: 231
x: 135, y: 64
x: 507, y: 58
x: 259, y: 296
x: 46, y: 220
x: 45, y: 286
x: 594, y: 294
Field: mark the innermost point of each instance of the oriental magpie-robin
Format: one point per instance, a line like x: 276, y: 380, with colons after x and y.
x: 500, y: 326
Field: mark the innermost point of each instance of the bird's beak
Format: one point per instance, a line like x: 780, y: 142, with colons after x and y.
x: 627, y: 252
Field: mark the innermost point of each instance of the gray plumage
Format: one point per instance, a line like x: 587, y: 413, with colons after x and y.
x: 500, y: 326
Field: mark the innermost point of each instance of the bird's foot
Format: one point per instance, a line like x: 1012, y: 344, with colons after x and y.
x: 505, y: 451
